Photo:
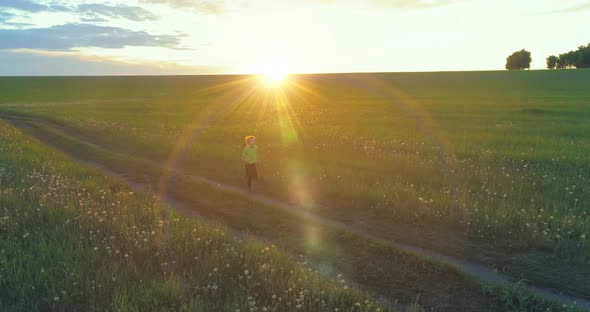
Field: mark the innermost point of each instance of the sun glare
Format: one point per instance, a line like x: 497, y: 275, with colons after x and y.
x: 272, y: 67
x: 274, y: 77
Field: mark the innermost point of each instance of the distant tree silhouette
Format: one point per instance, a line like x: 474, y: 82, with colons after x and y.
x: 583, y: 56
x: 579, y: 58
x: 552, y: 62
x: 519, y: 60
x: 568, y: 60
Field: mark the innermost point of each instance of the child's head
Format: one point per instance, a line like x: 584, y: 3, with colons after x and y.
x: 250, y: 140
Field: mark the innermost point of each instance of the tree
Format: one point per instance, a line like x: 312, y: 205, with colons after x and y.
x: 560, y: 63
x: 552, y: 62
x: 519, y: 60
x: 583, y: 60
x: 579, y: 58
x: 568, y: 60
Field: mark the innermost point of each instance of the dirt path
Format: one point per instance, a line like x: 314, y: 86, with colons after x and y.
x: 476, y: 270
x: 481, y: 272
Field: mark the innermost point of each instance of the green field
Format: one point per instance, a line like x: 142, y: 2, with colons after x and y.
x: 74, y: 240
x: 488, y: 166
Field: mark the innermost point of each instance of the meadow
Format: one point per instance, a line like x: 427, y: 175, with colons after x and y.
x: 490, y: 166
x: 72, y: 239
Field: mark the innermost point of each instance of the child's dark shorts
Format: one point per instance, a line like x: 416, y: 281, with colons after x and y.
x: 251, y: 171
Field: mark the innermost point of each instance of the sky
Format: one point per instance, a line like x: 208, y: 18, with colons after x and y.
x: 134, y: 37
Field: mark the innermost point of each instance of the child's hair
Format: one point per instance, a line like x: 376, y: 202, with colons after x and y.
x: 248, y: 137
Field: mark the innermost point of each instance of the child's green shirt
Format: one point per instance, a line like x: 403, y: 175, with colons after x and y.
x: 249, y: 154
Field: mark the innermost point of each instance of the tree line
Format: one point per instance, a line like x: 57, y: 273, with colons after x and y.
x: 579, y: 58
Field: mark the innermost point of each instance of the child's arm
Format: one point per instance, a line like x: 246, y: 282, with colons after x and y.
x: 243, y: 157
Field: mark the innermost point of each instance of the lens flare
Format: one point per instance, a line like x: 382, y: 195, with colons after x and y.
x: 274, y: 77
x: 276, y: 113
x: 272, y: 65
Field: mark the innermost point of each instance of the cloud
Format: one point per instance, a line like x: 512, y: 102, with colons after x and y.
x: 221, y: 6
x: 573, y: 9
x: 133, y: 13
x: 68, y: 36
x: 204, y: 6
x: 87, y: 10
x: 31, y: 6
x: 16, y: 24
x: 4, y: 16
x: 30, y: 63
x: 93, y: 20
x: 411, y: 4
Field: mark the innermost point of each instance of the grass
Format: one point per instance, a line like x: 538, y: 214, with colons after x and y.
x: 72, y: 239
x: 75, y: 240
x: 387, y: 272
x: 491, y: 166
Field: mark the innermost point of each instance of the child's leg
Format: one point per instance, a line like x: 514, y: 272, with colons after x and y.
x: 249, y: 183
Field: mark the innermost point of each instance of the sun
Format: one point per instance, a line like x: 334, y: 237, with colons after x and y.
x: 272, y: 66
x: 274, y: 77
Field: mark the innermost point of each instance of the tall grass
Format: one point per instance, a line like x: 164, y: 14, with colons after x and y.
x: 72, y: 239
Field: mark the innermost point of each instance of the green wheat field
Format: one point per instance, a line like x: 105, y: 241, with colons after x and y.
x: 492, y: 167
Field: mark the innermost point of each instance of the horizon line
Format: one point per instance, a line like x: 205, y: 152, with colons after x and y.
x: 293, y: 74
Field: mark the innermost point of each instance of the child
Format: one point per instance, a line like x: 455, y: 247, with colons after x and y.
x: 249, y: 158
